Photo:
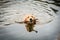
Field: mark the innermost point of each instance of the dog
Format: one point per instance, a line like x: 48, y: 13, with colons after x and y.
x: 30, y: 21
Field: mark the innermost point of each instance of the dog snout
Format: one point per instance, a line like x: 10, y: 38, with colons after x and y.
x: 30, y: 19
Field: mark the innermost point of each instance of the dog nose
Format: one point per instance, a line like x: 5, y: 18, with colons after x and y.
x: 30, y: 19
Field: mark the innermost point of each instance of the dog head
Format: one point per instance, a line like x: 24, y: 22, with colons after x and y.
x: 29, y: 18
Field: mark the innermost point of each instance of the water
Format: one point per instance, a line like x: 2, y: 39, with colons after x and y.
x: 16, y: 31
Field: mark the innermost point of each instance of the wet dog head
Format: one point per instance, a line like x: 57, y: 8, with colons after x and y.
x: 29, y: 18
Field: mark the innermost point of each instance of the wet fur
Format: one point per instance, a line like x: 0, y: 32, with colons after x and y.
x: 30, y: 26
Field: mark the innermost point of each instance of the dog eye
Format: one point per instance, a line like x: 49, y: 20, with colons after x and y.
x: 31, y: 16
x: 28, y: 17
